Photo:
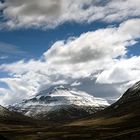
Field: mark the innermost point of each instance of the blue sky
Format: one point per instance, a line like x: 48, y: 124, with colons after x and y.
x: 43, y: 43
x: 35, y: 42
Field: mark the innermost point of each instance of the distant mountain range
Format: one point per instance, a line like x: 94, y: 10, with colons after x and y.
x: 60, y: 104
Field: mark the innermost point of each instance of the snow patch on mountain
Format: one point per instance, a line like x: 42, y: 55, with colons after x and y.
x: 65, y: 96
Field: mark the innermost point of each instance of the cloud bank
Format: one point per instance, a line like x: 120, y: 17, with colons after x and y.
x: 95, y: 62
x: 46, y: 14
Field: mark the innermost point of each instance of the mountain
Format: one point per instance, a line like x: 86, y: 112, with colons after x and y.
x: 59, y: 104
x: 120, y: 121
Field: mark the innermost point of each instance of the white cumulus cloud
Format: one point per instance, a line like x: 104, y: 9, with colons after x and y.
x: 98, y: 58
x: 51, y: 13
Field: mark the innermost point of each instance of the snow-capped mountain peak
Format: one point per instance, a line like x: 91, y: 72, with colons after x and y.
x: 61, y: 95
x: 58, y: 99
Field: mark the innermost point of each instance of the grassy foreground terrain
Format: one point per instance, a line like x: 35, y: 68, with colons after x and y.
x: 125, y: 127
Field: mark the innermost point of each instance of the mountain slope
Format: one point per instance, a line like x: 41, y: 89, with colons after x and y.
x: 11, y: 117
x: 59, y: 104
x: 129, y: 103
x: 120, y: 121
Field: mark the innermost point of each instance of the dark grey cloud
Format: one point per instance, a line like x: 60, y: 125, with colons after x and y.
x: 97, y: 89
